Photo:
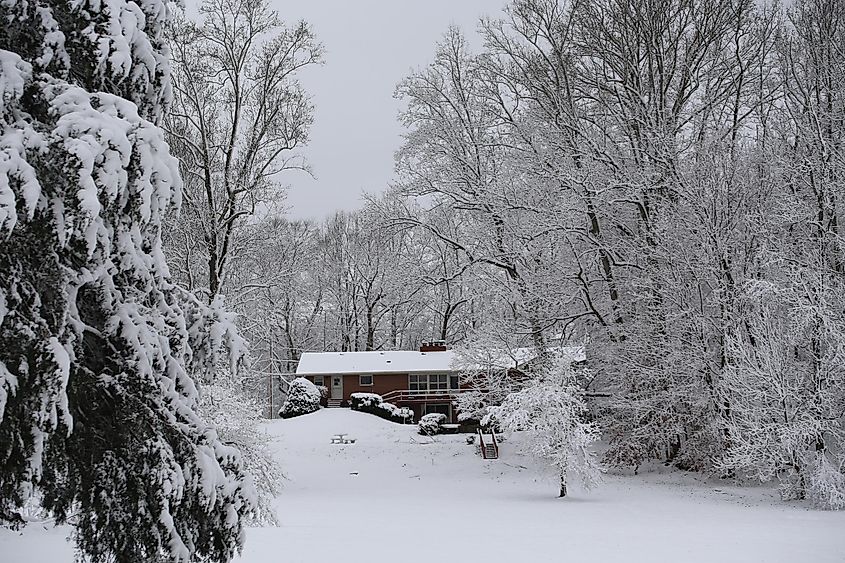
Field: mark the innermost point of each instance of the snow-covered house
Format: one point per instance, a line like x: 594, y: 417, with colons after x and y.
x: 426, y: 381
x: 422, y: 380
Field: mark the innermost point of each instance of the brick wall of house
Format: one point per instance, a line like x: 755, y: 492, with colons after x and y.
x: 382, y: 383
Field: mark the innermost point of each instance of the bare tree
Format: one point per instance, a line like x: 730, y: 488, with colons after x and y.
x: 238, y: 118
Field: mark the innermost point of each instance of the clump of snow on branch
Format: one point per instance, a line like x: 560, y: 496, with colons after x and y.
x: 238, y: 422
x: 214, y: 335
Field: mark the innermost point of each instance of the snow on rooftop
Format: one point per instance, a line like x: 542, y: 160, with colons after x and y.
x: 400, y: 361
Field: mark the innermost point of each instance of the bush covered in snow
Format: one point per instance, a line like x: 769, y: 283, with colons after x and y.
x: 237, y: 419
x: 374, y: 404
x: 394, y: 413
x: 431, y: 424
x: 364, y: 401
x: 303, y: 398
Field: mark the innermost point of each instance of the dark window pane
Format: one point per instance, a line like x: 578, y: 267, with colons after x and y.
x: 417, y: 383
x: 437, y: 382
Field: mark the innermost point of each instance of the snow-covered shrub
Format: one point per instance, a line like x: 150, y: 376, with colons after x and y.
x: 237, y: 419
x: 401, y: 414
x: 430, y: 424
x: 387, y: 408
x: 364, y: 402
x: 372, y: 403
x: 394, y: 413
x: 303, y: 398
x: 826, y: 484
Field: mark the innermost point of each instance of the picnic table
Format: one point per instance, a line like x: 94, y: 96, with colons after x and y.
x: 342, y: 439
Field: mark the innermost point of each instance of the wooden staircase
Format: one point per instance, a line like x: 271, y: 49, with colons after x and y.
x: 334, y: 403
x: 490, y: 448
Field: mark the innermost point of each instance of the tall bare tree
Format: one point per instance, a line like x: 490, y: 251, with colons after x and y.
x: 238, y: 120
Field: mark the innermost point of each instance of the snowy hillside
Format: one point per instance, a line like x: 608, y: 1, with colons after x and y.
x: 399, y: 494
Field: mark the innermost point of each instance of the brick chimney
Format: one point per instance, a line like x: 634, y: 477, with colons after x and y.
x: 433, y: 346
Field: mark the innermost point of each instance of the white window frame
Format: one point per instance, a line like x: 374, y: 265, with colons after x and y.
x: 438, y: 382
x: 417, y: 383
x: 361, y: 380
x: 425, y: 385
x: 421, y: 383
x: 319, y: 380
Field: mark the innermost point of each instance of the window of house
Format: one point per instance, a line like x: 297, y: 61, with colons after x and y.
x: 318, y: 380
x: 365, y: 380
x: 417, y: 383
x: 438, y: 382
x: 433, y: 383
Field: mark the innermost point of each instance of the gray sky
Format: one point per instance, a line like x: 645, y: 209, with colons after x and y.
x: 370, y: 46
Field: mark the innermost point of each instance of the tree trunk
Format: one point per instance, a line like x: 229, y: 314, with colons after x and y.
x: 562, y: 484
x: 371, y: 330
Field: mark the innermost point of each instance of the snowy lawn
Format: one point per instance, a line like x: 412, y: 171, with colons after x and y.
x: 396, y: 494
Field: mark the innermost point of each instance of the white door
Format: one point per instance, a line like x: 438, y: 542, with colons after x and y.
x: 337, y: 387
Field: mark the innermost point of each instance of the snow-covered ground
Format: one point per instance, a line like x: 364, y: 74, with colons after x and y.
x: 394, y: 495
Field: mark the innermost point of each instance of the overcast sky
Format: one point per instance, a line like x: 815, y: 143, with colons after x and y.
x: 370, y: 46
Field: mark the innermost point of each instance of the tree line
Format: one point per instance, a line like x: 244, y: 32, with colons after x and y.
x: 661, y: 180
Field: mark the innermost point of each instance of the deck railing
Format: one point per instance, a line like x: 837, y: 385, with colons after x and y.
x: 494, y: 443
x: 415, y: 395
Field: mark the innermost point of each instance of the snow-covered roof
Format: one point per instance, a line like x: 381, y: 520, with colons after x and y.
x: 400, y: 361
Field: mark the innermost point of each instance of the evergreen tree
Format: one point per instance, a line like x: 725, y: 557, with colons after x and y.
x: 303, y: 398
x: 98, y: 412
